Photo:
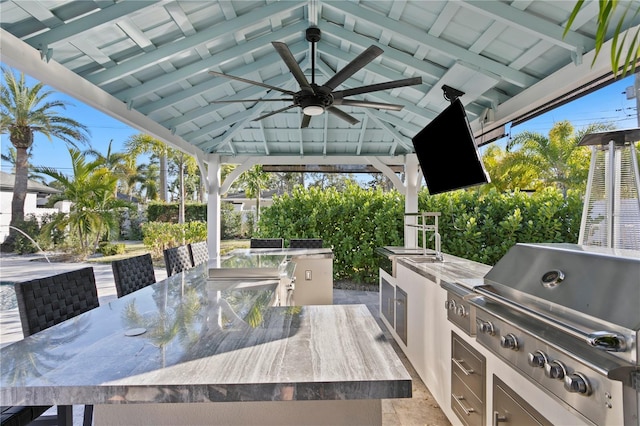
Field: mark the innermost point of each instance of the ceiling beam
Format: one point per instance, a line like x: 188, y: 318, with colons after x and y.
x: 237, y: 124
x: 202, y: 66
x: 203, y: 37
x: 248, y: 93
x: 532, y: 24
x: 420, y: 37
x: 412, y: 63
x: 76, y: 28
x: 208, y: 85
x: 16, y: 53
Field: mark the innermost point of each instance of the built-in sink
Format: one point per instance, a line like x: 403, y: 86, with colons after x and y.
x: 424, y: 259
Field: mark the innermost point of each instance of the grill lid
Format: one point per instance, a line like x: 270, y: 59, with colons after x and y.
x: 581, y: 284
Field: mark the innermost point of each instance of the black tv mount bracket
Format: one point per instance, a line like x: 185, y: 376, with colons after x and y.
x: 450, y: 93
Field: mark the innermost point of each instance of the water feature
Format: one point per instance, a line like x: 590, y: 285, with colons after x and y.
x: 32, y: 240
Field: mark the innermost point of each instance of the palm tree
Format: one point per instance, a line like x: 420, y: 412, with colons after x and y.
x: 149, y: 174
x: 121, y: 164
x: 556, y: 160
x: 508, y: 170
x: 94, y: 205
x: 25, y: 111
x: 11, y: 158
x: 253, y: 181
x: 147, y: 144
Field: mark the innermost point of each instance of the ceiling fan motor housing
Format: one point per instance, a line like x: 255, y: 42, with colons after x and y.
x: 321, y: 97
x: 313, y: 34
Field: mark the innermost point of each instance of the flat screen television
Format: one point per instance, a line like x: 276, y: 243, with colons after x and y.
x: 447, y: 152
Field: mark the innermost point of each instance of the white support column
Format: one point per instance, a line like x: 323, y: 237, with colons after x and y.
x: 213, y: 207
x: 411, y: 185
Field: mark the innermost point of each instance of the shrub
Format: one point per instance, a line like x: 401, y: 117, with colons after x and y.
x: 230, y: 222
x: 480, y: 227
x: 158, y: 236
x: 109, y: 249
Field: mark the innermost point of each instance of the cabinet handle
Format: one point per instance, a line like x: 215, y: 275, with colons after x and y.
x: 497, y: 418
x: 459, y: 399
x: 459, y: 362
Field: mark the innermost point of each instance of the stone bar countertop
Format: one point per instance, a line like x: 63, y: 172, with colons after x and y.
x: 261, y: 262
x: 191, y: 339
x: 453, y: 269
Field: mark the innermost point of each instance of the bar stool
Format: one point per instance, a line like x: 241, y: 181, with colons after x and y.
x: 266, y: 243
x: 177, y: 259
x: 45, y: 302
x: 305, y: 243
x: 133, y: 273
x: 199, y: 253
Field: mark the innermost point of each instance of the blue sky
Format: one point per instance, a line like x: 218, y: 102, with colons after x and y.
x: 607, y: 105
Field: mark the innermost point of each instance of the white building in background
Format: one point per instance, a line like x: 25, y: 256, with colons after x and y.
x: 37, y: 195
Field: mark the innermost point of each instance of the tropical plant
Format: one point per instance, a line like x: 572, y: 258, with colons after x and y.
x: 11, y: 158
x: 148, y: 180
x: 24, y: 112
x: 121, y: 164
x: 507, y: 172
x: 147, y: 144
x: 254, y: 181
x: 181, y: 164
x: 619, y: 59
x: 94, y: 206
x: 556, y: 160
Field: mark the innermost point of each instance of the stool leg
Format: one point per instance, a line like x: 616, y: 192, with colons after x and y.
x: 88, y: 415
x: 65, y: 415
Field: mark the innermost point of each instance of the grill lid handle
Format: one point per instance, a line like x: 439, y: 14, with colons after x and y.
x: 603, y: 340
x: 607, y: 341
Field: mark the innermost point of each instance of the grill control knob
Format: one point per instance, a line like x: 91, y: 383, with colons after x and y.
x: 509, y: 341
x: 450, y: 305
x: 578, y: 383
x: 555, y: 370
x: 537, y: 359
x: 485, y: 327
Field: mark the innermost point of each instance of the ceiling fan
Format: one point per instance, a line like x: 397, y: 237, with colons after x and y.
x: 315, y: 99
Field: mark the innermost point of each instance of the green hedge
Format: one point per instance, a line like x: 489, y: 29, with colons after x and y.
x: 483, y: 227
x: 474, y: 226
x: 168, y: 212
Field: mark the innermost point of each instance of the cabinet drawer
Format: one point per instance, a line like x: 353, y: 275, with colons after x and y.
x: 511, y: 409
x: 468, y: 408
x: 468, y: 364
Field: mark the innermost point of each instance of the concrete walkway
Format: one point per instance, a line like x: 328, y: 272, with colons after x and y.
x: 421, y: 409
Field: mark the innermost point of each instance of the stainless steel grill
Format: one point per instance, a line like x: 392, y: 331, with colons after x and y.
x: 567, y: 317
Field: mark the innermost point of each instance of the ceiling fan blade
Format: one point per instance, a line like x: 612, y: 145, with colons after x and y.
x: 367, y: 104
x: 274, y: 112
x: 305, y: 121
x: 257, y: 83
x: 379, y: 86
x: 290, y: 61
x: 343, y: 115
x: 354, y: 66
x: 229, y: 101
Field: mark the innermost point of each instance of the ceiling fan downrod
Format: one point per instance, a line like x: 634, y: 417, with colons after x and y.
x: 313, y: 36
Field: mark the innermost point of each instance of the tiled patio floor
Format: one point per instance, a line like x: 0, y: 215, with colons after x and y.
x: 421, y: 409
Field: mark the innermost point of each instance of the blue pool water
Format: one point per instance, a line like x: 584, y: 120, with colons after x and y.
x: 7, y: 296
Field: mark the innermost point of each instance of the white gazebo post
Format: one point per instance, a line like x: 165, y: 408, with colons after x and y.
x: 411, y: 184
x: 213, y: 207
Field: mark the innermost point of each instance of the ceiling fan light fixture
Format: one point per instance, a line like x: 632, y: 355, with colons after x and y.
x: 313, y: 110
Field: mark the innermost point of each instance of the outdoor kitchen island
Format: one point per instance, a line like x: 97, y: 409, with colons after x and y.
x: 487, y: 363
x: 194, y: 350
